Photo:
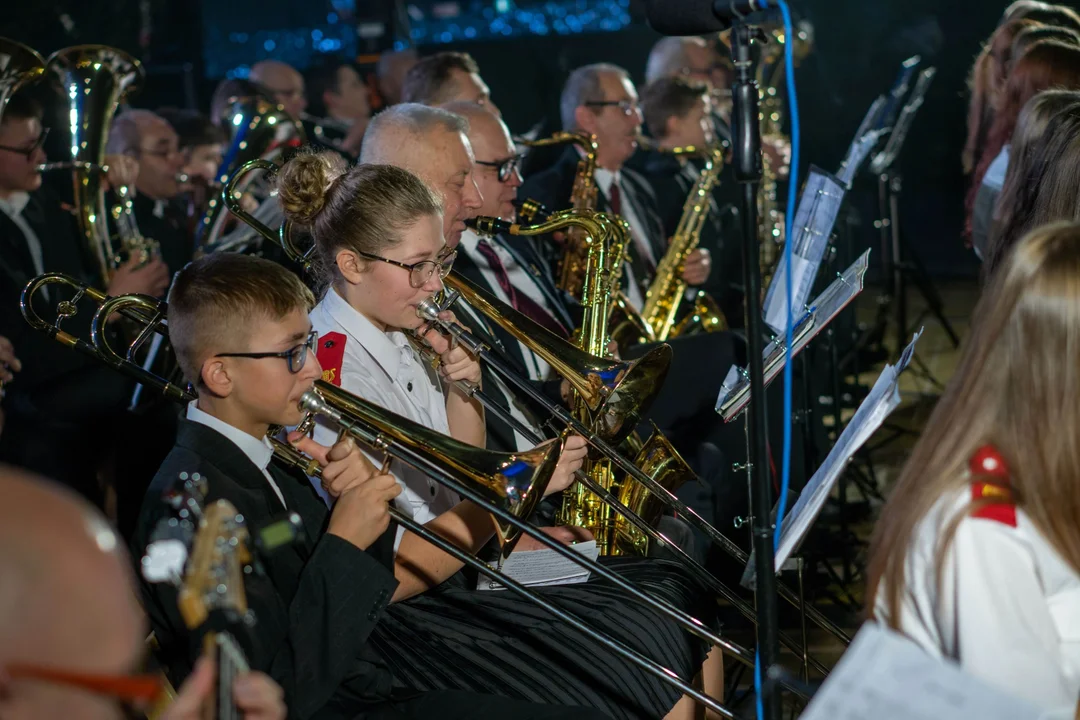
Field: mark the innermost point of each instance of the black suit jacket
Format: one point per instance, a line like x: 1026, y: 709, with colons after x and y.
x: 314, y: 607
x: 56, y: 384
x: 170, y: 231
x: 553, y: 187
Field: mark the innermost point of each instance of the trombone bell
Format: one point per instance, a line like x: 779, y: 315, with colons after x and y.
x: 513, y: 481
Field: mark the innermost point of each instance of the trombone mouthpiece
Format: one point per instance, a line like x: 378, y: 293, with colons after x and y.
x: 428, y: 310
x: 313, y: 402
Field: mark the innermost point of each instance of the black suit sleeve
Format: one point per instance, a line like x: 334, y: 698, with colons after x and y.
x: 322, y: 631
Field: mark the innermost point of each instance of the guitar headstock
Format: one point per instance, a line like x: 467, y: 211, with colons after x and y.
x: 210, y: 574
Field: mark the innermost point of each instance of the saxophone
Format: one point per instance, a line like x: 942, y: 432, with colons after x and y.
x: 605, y: 237
x: 668, y: 290
x: 770, y: 76
x: 572, y: 267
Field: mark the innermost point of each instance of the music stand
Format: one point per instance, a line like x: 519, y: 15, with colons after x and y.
x: 884, y: 397
x: 900, y: 263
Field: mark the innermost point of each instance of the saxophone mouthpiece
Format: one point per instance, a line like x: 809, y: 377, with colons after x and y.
x: 485, y: 225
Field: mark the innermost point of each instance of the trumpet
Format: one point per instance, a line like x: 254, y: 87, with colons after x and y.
x: 506, y: 485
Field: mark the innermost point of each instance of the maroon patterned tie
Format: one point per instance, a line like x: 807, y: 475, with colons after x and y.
x: 521, y: 302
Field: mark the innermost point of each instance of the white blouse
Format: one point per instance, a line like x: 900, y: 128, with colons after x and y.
x: 382, y: 367
x: 1008, y: 605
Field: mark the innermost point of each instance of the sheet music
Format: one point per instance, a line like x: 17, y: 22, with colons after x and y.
x: 858, y: 153
x: 735, y: 391
x: 899, y: 89
x: 869, y: 121
x: 886, y: 676
x: 814, y: 219
x: 882, y: 400
x: 542, y: 567
x: 885, y: 158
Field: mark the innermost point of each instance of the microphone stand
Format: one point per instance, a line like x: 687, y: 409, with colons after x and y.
x: 746, y: 144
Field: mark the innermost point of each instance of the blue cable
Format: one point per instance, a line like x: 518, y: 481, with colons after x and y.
x: 785, y: 482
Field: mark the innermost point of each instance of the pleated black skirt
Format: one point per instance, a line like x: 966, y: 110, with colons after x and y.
x: 456, y: 637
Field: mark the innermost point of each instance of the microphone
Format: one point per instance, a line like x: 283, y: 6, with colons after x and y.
x: 697, y: 17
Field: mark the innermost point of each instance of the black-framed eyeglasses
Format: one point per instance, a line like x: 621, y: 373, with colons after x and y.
x: 628, y: 107
x: 295, y: 356
x: 28, y: 151
x: 505, y: 167
x: 420, y: 272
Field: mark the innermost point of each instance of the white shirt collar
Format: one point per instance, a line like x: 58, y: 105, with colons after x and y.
x: 384, y: 347
x: 604, y: 178
x: 15, y: 203
x: 469, y: 242
x: 259, y: 451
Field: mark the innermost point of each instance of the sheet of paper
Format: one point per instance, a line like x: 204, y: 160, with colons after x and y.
x: 882, y: 400
x: 734, y: 392
x: 811, y: 229
x: 542, y: 567
x: 858, y: 153
x: 884, y: 159
x: 886, y: 676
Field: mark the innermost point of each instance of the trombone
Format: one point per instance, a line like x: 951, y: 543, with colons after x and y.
x: 572, y: 365
x: 506, y: 485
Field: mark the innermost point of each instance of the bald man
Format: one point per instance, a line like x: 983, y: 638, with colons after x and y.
x: 283, y: 82
x: 68, y: 603
x: 150, y: 139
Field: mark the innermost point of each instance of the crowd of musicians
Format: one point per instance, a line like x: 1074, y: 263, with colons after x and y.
x: 387, y: 198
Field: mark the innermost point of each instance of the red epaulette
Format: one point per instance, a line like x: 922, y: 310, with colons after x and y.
x: 990, y: 481
x: 331, y: 354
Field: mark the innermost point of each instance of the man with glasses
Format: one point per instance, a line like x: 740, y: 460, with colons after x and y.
x: 152, y: 141
x: 59, y: 408
x: 71, y: 631
x: 600, y: 99
x: 695, y: 59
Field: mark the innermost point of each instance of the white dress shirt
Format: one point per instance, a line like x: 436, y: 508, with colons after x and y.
x: 13, y: 206
x: 635, y: 293
x: 257, y: 450
x: 1007, y: 609
x: 383, y: 368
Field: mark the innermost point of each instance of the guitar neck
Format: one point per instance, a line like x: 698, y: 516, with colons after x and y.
x: 231, y: 663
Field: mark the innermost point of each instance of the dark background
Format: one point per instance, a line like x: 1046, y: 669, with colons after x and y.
x: 858, y: 48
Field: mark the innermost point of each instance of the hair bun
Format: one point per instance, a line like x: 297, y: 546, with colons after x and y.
x: 304, y: 184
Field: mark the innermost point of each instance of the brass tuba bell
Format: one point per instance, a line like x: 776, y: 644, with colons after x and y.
x: 19, y: 66
x: 260, y: 130
x: 94, y: 80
